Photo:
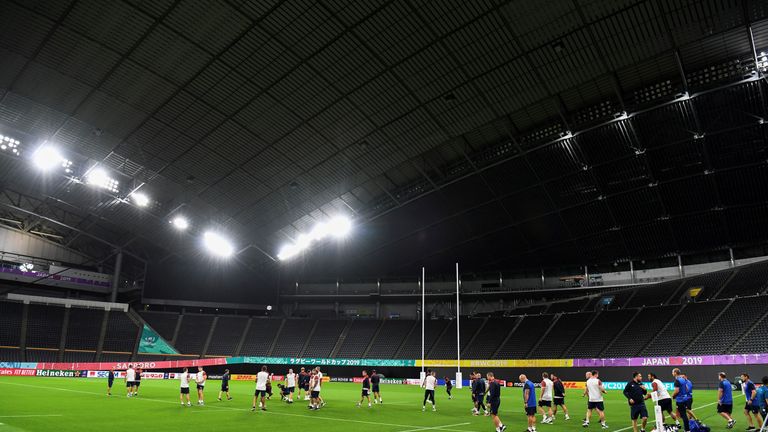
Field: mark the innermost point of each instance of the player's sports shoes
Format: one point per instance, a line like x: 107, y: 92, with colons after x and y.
x: 567, y: 417
x: 358, y: 405
x: 263, y: 409
x: 423, y: 409
x: 585, y: 424
x: 229, y: 398
x: 503, y: 428
x: 603, y: 425
x: 730, y: 424
x: 369, y: 405
x: 189, y: 404
x: 434, y: 408
x: 253, y: 409
x: 322, y: 405
x: 219, y: 399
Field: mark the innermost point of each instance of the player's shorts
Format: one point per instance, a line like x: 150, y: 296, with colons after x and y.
x: 315, y: 394
x: 638, y: 411
x: 596, y: 405
x: 682, y: 406
x: 429, y: 395
x: 137, y: 383
x: 305, y: 387
x: 201, y: 386
x: 110, y: 382
x: 185, y: 390
x: 753, y: 408
x: 666, y: 404
x: 225, y: 387
x: 494, y: 406
x: 530, y: 411
x: 545, y: 403
x: 366, y: 392
x: 375, y: 388
x: 291, y: 389
x: 129, y: 383
x: 258, y: 393
x: 559, y: 401
x: 724, y: 408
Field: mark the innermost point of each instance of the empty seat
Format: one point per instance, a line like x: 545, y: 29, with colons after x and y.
x: 412, y: 346
x: 292, y: 337
x: 164, y: 323
x: 358, y: 337
x: 642, y: 329
x: 121, y: 333
x: 44, y: 326
x: 684, y: 328
x: 600, y: 333
x: 227, y: 334
x: 391, y: 336
x: 260, y: 336
x: 525, y: 336
x: 740, y: 315
x: 42, y: 356
x: 445, y: 348
x: 10, y: 323
x: 324, y: 338
x: 489, y: 337
x: 654, y: 295
x: 565, y: 331
x: 84, y: 328
x: 748, y: 280
x: 193, y: 333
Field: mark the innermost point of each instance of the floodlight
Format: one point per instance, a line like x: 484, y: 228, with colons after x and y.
x: 303, y: 241
x: 320, y: 231
x: 287, y: 252
x: 46, y: 157
x: 10, y: 145
x: 140, y: 199
x: 340, y: 226
x: 218, y: 245
x: 98, y: 177
x: 180, y: 223
x: 26, y: 267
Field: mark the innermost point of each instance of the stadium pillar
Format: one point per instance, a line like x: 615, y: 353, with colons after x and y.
x: 680, y: 266
x: 631, y: 271
x: 116, y: 276
x: 730, y: 254
x: 423, y: 374
x: 586, y: 275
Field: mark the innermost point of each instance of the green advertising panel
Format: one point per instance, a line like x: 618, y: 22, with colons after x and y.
x: 153, y: 343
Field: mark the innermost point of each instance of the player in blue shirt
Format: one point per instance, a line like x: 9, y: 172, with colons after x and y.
x: 529, y: 401
x: 725, y: 400
x: 751, y: 408
x: 682, y: 396
x: 762, y: 399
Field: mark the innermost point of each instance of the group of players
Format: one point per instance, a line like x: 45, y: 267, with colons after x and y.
x: 486, y: 395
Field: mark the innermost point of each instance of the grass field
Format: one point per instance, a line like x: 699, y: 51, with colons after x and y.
x: 70, y: 404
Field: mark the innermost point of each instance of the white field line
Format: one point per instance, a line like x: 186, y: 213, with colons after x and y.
x: 30, y: 415
x: 436, y: 427
x: 416, y: 427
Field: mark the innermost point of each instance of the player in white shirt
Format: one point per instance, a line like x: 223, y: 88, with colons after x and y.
x: 200, y: 378
x: 184, y: 384
x: 547, y: 388
x: 664, y: 399
x: 290, y: 384
x: 319, y: 386
x: 315, y: 385
x: 130, y: 378
x: 595, y: 391
x: 430, y: 381
x: 261, y: 389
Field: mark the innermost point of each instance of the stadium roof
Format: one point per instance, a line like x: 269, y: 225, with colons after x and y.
x: 501, y: 134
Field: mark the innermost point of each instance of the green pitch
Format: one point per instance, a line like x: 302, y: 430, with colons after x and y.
x: 71, y: 404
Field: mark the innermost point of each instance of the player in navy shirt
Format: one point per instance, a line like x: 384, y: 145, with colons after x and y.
x: 366, y: 393
x: 529, y: 401
x: 682, y: 396
x: 448, y: 387
x: 110, y: 381
x: 751, y: 407
x: 725, y: 399
x: 494, y: 401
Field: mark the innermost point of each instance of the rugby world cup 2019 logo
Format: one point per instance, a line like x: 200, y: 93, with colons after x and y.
x: 149, y: 340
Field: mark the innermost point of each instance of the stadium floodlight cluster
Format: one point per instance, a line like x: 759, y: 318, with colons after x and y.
x: 762, y: 62
x: 217, y: 245
x: 338, y: 227
x: 9, y: 144
x: 47, y: 158
x: 98, y: 177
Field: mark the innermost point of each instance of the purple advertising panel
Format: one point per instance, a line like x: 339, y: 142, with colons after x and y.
x: 703, y: 360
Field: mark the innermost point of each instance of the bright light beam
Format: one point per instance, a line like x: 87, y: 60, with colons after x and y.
x: 218, y: 245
